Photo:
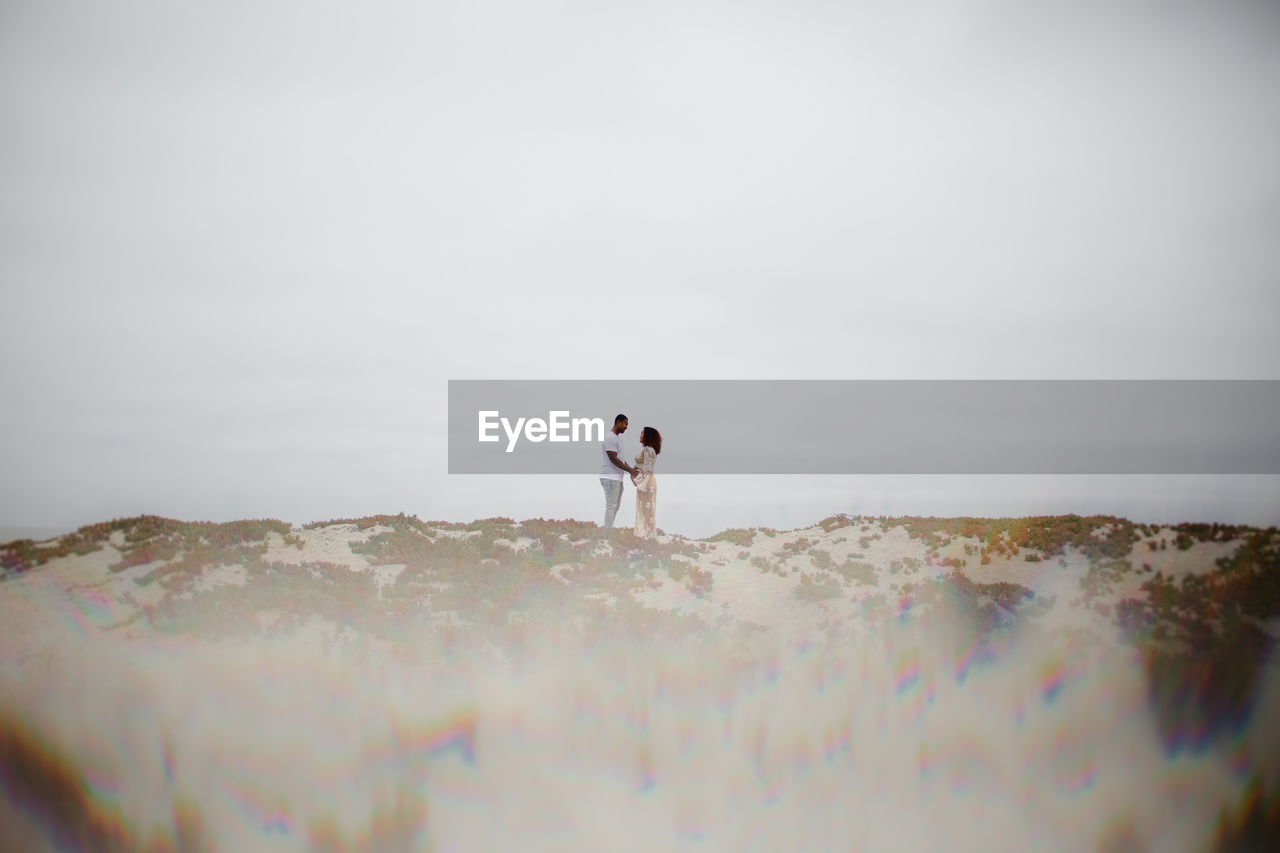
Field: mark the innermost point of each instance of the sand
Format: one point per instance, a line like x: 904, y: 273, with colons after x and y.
x: 592, y: 719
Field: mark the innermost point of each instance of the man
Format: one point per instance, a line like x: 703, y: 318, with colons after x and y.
x: 612, y: 468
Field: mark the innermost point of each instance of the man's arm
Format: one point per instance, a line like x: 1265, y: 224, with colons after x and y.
x: 613, y: 457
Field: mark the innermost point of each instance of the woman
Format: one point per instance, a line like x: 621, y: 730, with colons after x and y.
x: 647, y: 484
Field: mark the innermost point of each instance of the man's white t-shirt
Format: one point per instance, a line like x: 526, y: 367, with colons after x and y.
x: 609, y: 471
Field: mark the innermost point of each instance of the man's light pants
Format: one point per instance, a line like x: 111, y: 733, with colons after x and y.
x: 612, y: 500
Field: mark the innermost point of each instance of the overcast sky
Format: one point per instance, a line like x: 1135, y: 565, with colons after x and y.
x: 243, y: 246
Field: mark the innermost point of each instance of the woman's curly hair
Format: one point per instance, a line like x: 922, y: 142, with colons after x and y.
x: 650, y: 437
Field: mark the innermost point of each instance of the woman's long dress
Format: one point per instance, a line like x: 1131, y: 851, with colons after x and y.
x: 646, y: 495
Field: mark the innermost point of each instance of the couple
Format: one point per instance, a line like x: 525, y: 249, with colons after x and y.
x: 612, y: 468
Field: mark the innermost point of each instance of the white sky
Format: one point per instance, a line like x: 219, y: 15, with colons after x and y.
x: 243, y: 246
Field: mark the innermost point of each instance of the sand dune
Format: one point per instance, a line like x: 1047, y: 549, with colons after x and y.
x: 393, y: 684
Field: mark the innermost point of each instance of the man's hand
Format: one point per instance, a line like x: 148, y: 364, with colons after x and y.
x: 613, y: 457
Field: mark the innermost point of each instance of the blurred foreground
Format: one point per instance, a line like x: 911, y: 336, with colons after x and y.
x: 393, y: 684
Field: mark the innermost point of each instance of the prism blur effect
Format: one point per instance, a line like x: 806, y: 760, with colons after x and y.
x: 392, y: 684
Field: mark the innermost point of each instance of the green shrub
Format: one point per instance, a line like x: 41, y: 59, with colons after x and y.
x: 862, y: 573
x: 810, y: 590
x: 821, y: 559
x: 735, y: 536
x: 799, y: 546
x: 1049, y: 535
x: 700, y: 582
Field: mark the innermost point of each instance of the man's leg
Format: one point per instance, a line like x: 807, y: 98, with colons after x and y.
x: 612, y: 500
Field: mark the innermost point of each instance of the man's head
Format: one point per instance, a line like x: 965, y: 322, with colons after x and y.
x: 620, y: 424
